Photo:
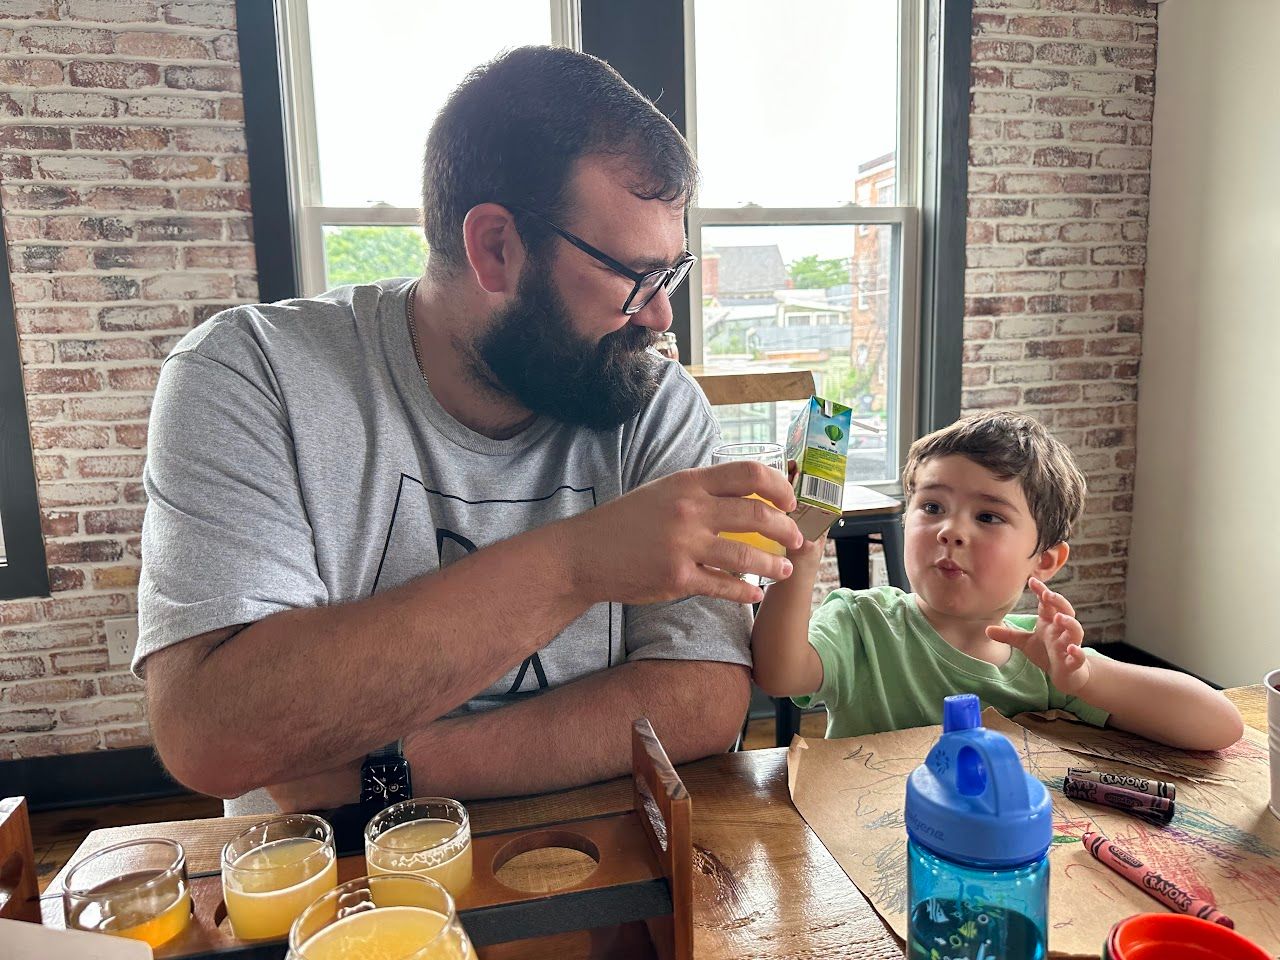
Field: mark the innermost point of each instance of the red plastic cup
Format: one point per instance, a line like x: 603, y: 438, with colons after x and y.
x: 1173, y: 936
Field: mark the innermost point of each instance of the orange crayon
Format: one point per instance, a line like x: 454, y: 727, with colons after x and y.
x: 1150, y: 881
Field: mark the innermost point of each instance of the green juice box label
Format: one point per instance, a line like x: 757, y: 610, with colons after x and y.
x: 818, y: 442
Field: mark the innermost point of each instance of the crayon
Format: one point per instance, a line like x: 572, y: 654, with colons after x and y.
x: 1153, y: 788
x: 1152, y: 809
x: 1149, y: 881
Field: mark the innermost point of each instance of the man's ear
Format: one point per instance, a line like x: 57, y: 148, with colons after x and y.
x: 1050, y: 561
x: 495, y: 251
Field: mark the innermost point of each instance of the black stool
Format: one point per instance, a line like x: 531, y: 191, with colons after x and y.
x: 852, y: 536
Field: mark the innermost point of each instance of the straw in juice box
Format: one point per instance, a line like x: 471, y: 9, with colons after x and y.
x: 818, y: 442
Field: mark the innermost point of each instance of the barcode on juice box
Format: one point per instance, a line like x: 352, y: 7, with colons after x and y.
x: 824, y: 491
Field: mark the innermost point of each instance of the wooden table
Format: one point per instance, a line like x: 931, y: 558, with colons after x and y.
x: 764, y: 885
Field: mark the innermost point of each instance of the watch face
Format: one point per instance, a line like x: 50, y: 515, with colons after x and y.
x: 385, y: 781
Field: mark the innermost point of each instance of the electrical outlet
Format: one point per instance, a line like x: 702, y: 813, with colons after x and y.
x: 122, y: 637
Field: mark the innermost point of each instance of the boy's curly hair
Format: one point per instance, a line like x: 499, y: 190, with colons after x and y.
x: 1012, y: 445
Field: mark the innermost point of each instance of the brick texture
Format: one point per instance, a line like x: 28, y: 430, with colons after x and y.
x: 1059, y: 167
x: 124, y: 185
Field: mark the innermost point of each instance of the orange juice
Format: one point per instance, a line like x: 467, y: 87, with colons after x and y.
x: 266, y: 888
x: 130, y: 907
x: 421, y: 847
x: 756, y: 540
x: 389, y: 933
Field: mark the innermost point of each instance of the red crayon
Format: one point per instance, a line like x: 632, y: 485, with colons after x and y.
x: 1155, y: 809
x: 1149, y: 881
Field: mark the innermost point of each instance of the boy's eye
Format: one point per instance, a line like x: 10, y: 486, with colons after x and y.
x: 990, y: 518
x: 930, y: 507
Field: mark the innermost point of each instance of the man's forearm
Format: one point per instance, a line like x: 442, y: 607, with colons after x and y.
x: 581, y: 732
x: 331, y: 683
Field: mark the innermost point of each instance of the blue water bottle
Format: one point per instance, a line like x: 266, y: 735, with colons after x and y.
x: 978, y: 835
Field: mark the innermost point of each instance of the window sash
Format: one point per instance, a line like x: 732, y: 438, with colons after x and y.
x: 906, y: 254
x: 311, y: 215
x: 905, y: 217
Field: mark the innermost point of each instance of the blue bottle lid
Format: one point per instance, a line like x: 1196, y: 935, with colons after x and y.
x: 971, y: 801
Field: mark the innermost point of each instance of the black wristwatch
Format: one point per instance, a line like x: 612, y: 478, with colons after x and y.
x: 384, y: 778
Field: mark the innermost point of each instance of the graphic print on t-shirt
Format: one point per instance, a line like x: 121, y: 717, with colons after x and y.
x: 431, y: 529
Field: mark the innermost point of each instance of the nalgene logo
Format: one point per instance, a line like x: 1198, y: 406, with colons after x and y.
x: 919, y: 826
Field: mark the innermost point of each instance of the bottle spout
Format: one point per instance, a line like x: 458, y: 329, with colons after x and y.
x: 961, y: 712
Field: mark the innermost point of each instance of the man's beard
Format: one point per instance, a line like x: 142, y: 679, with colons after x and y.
x: 533, y: 354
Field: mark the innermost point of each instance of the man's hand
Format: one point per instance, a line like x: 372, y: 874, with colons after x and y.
x: 659, y: 542
x: 1054, y: 644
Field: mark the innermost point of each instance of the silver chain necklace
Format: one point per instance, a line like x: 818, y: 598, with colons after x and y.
x: 413, y: 329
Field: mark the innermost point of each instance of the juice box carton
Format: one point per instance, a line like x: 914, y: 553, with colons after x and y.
x: 818, y: 442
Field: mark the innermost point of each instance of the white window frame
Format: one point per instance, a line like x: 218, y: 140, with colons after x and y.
x: 310, y: 215
x: 905, y: 217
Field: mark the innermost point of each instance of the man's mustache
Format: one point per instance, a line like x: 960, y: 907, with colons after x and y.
x: 630, y: 339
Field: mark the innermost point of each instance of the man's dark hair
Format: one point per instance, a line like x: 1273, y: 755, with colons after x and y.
x: 512, y: 130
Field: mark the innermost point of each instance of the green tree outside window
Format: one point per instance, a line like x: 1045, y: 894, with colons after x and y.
x: 364, y: 254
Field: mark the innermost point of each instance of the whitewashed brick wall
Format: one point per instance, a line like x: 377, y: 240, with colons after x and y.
x: 126, y: 208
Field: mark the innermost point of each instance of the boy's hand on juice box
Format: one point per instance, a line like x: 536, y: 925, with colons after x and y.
x: 1054, y: 644
x: 660, y: 541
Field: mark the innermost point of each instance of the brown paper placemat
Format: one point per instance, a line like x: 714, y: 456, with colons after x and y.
x: 1223, y: 844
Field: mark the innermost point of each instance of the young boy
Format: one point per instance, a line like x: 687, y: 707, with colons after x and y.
x: 991, y: 501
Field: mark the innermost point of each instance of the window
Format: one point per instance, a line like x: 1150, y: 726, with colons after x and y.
x: 22, y: 558
x: 360, y: 99
x: 782, y: 241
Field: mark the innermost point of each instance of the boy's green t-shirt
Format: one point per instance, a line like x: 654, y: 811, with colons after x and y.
x: 884, y: 667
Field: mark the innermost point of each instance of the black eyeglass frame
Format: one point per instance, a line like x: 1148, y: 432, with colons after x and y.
x: 671, y: 277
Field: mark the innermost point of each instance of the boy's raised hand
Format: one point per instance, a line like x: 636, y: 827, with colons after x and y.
x: 1054, y: 644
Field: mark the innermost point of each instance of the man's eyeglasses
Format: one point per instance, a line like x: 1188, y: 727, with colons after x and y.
x: 646, y: 284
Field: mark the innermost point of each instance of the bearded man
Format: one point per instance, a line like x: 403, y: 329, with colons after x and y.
x: 449, y: 535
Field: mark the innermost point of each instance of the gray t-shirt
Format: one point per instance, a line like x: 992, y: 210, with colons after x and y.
x: 296, y: 458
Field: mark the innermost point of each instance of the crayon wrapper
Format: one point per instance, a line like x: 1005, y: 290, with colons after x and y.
x: 1154, y: 788
x: 1153, y: 809
x: 1150, y: 881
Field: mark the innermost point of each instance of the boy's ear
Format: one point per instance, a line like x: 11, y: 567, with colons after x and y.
x: 1050, y: 561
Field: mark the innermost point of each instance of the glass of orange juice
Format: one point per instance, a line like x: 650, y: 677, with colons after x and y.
x: 136, y: 889
x: 430, y: 836
x: 771, y: 455
x: 273, y: 870
x: 392, y: 916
